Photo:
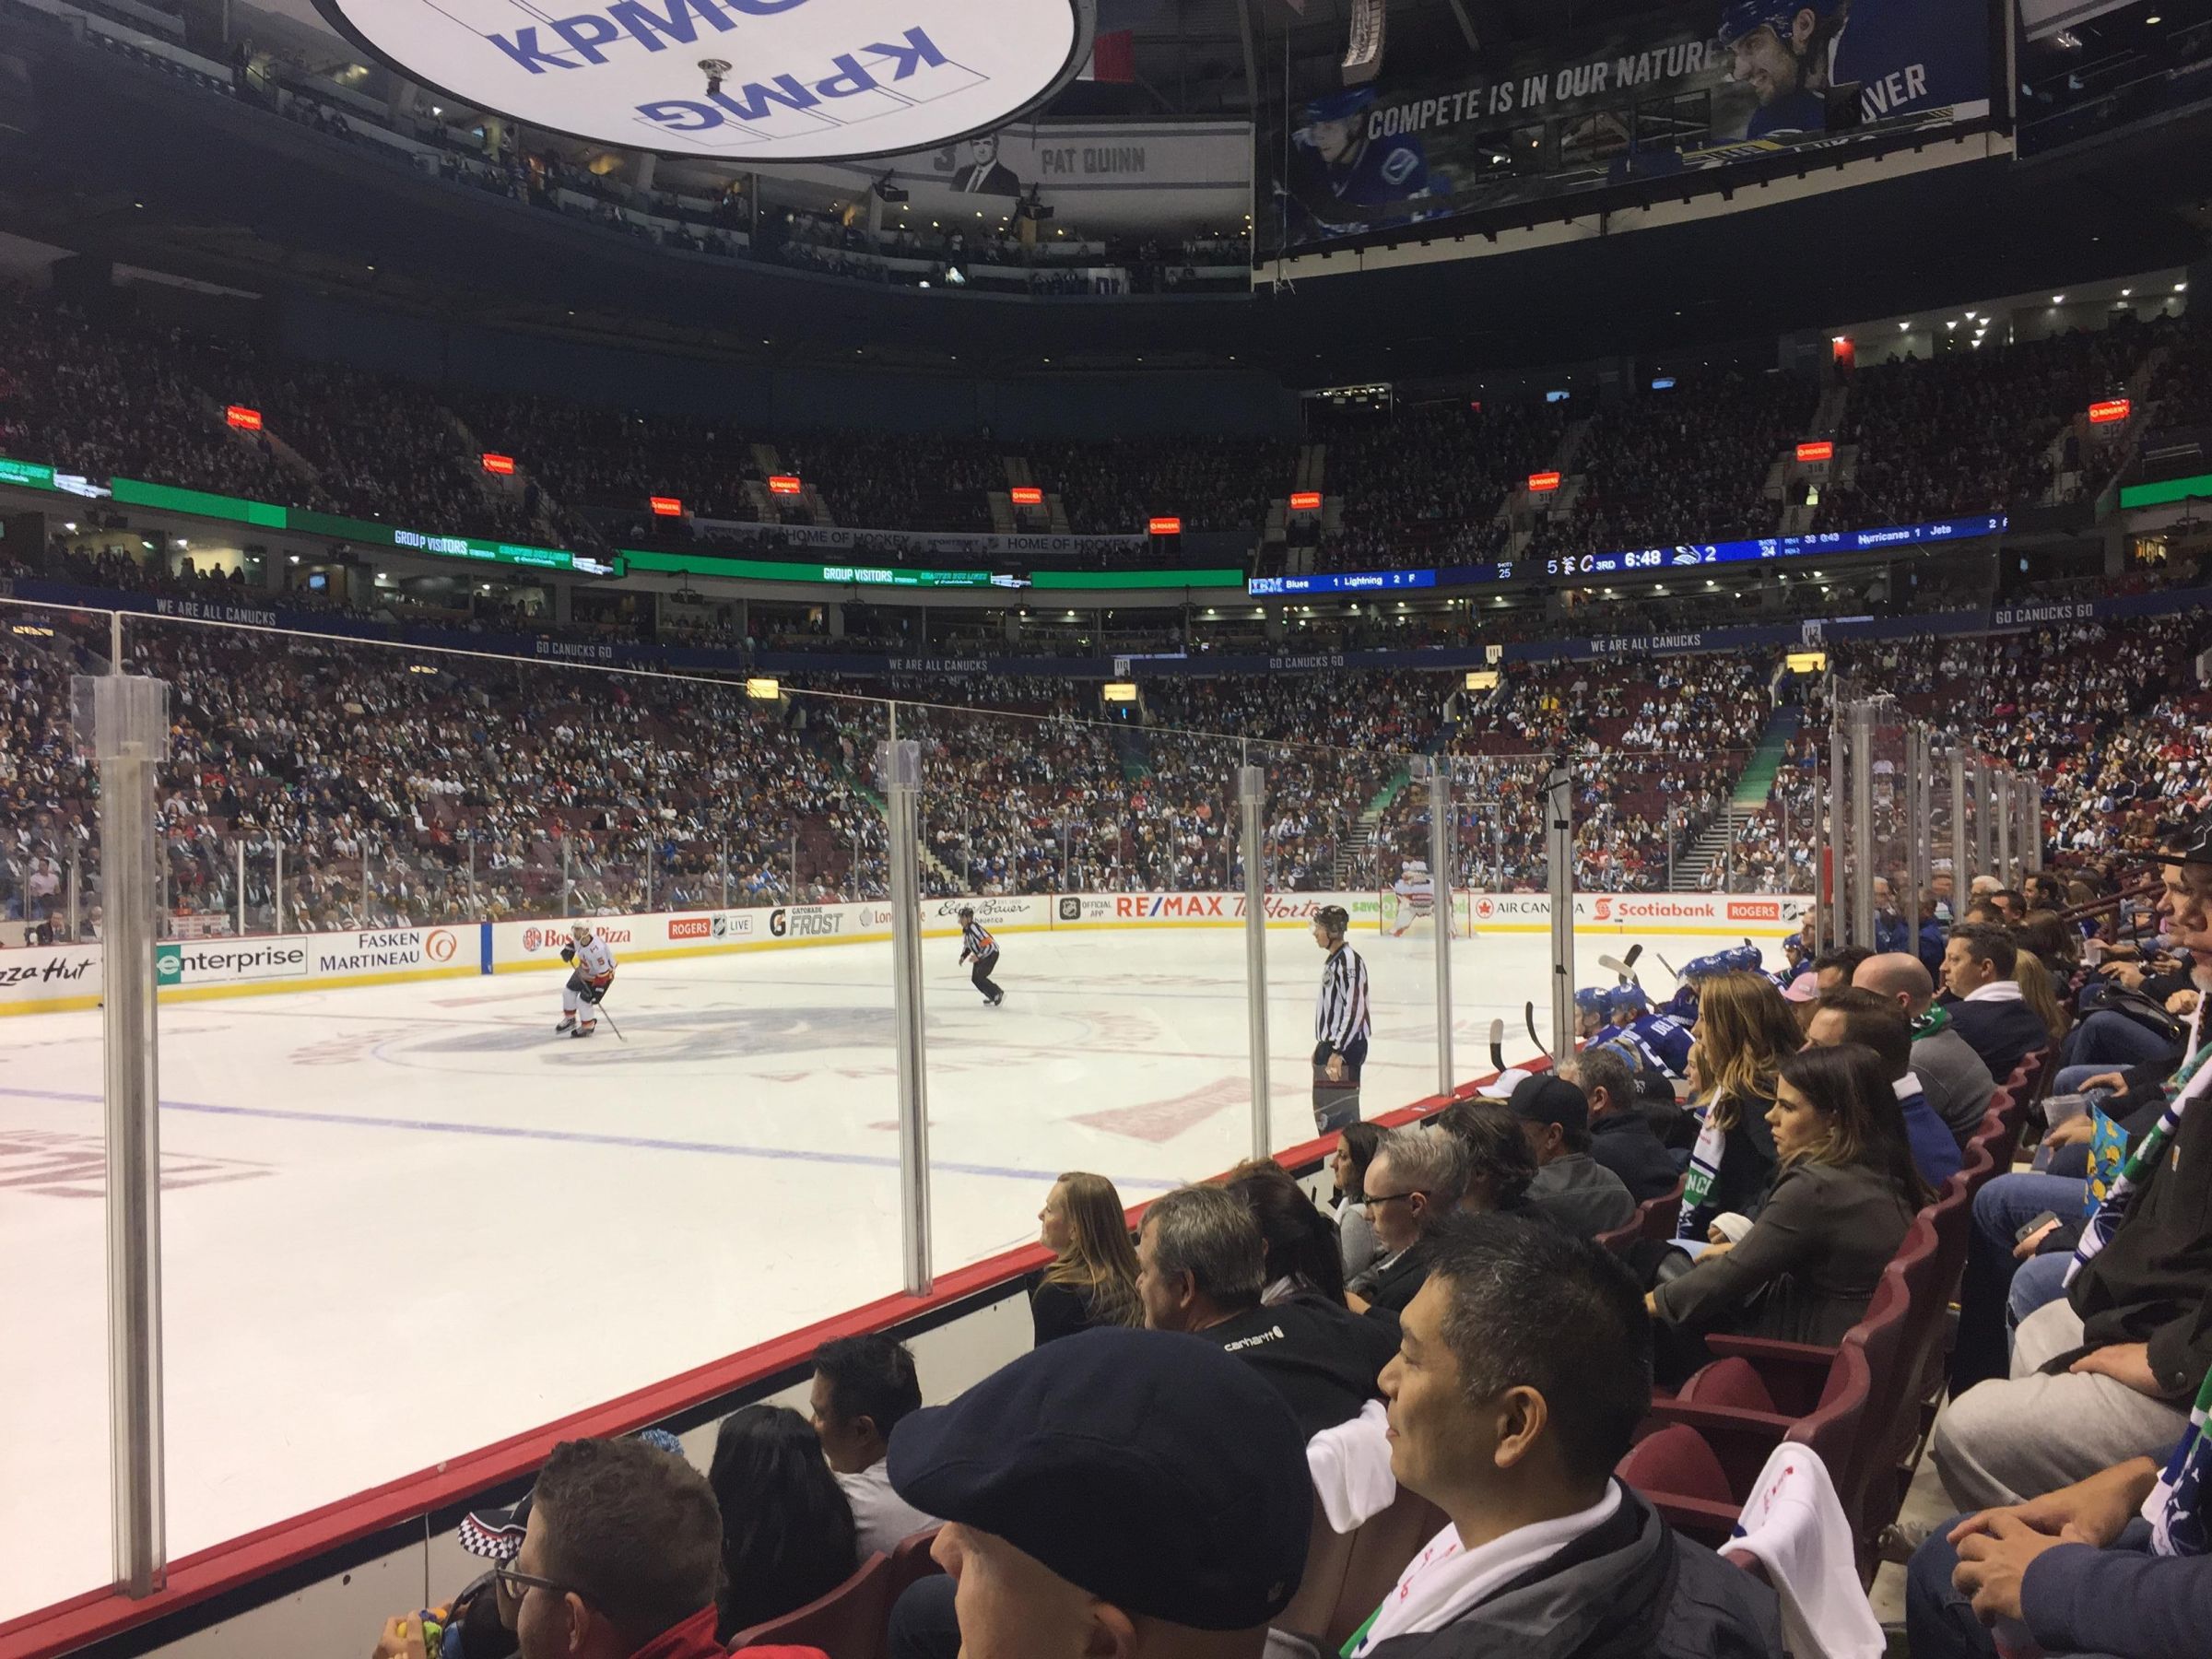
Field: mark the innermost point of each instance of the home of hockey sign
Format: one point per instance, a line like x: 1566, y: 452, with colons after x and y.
x: 752, y: 81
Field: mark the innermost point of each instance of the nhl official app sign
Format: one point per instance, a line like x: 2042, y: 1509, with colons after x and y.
x: 752, y: 80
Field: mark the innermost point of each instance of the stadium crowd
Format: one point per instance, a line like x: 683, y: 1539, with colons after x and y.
x: 1426, y: 484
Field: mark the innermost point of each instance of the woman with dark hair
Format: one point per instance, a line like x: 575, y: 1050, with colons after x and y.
x: 1303, y: 1255
x: 1846, y: 1193
x: 1092, y: 1280
x: 1500, y: 1162
x: 1356, y: 1144
x: 787, y: 1533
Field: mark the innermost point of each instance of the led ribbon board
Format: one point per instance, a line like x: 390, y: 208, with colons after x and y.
x: 744, y: 80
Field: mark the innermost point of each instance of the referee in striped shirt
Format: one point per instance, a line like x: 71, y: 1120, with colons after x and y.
x: 1340, y: 1024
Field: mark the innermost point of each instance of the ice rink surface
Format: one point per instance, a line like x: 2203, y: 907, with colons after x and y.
x: 408, y: 1222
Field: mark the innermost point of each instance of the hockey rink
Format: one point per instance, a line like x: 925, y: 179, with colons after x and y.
x: 406, y: 1222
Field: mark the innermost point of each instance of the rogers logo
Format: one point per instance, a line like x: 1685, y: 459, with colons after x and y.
x: 532, y: 938
x: 690, y: 927
x: 1754, y: 910
x: 440, y: 946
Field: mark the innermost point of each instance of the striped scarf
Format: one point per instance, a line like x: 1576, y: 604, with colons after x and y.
x: 2176, y: 1508
x: 2188, y: 1082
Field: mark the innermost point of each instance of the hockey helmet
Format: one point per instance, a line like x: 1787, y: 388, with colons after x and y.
x: 1333, y: 920
x: 1340, y: 105
x: 582, y: 930
x: 1627, y: 999
x: 1746, y: 958
x: 967, y: 912
x: 1591, y: 999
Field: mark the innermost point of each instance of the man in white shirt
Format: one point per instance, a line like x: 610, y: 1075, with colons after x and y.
x: 1523, y: 1370
x: 862, y: 1385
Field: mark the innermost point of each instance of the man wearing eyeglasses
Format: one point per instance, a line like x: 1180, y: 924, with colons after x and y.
x: 618, y: 1561
x: 1415, y: 1180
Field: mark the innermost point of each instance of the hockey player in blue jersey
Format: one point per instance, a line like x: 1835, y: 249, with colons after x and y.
x: 1908, y: 56
x: 1780, y: 53
x: 1336, y: 163
x: 1660, y: 1042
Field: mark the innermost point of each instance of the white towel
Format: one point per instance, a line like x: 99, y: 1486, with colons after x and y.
x: 1796, y: 1526
x: 1350, y: 1464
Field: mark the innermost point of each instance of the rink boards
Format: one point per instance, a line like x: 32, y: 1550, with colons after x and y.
x: 52, y: 979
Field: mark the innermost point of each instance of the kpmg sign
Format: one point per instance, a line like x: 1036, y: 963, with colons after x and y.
x: 750, y: 80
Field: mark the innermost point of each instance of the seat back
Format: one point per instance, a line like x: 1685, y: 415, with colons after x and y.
x: 1682, y: 1477
x: 1380, y: 1551
x: 911, y: 1563
x: 1328, y: 1559
x: 1733, y: 1381
x: 848, y: 1623
x: 1838, y: 1430
x: 1659, y: 1217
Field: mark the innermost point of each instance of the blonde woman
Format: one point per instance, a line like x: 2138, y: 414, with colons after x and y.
x: 2034, y: 979
x: 1092, y: 1280
x: 1745, y: 1031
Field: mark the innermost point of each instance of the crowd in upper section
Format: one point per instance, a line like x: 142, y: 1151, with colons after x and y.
x: 1980, y: 429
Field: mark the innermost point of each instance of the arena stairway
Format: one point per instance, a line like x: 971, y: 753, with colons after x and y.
x: 1753, y: 786
x: 1352, y: 854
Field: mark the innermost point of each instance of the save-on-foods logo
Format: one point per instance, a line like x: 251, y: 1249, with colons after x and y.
x: 690, y: 927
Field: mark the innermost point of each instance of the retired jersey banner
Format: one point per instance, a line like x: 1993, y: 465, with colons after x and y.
x: 1684, y: 89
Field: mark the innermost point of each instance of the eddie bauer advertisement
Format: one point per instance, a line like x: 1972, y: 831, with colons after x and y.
x: 1685, y: 89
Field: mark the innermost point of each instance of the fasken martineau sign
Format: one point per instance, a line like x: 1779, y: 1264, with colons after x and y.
x: 752, y: 80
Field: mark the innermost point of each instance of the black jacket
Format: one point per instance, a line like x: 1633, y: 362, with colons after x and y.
x: 2003, y: 1033
x: 1624, y: 1143
x: 1747, y: 1166
x: 1322, y: 1357
x: 1389, y: 1289
x: 1629, y: 1588
x: 2152, y: 1283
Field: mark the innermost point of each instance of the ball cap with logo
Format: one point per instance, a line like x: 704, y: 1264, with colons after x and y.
x: 1149, y: 1468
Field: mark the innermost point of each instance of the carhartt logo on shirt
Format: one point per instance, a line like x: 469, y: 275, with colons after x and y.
x: 1275, y: 1335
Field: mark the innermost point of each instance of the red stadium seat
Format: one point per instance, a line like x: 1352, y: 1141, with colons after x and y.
x: 1677, y: 1472
x: 848, y: 1623
x: 911, y: 1563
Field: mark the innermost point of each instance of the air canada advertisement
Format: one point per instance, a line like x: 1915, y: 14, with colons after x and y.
x: 1685, y: 89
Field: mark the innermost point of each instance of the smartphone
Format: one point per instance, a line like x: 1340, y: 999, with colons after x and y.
x: 2034, y: 1227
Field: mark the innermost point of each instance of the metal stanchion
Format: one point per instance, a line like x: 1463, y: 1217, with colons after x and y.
x: 1439, y: 865
x: 276, y: 889
x: 1559, y: 843
x: 1251, y: 800
x: 2001, y: 791
x: 899, y: 773
x: 241, y: 888
x: 1839, y: 848
x: 126, y: 719
x: 1861, y: 889
x: 1919, y: 848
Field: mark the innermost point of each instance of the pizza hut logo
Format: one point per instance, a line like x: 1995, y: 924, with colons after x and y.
x: 440, y: 946
x: 532, y: 938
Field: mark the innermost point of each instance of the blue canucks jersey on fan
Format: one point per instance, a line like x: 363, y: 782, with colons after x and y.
x: 1910, y: 55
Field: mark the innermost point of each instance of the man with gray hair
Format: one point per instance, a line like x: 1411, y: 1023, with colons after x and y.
x: 1620, y: 1136
x: 1415, y: 1180
x: 1200, y: 1263
x: 1952, y: 1074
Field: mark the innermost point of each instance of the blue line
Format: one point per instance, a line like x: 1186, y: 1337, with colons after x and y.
x: 583, y: 1137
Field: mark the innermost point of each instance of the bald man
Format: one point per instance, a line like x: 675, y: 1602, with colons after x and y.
x: 1954, y: 1077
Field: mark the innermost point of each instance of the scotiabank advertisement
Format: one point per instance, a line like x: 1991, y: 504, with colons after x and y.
x: 1770, y: 915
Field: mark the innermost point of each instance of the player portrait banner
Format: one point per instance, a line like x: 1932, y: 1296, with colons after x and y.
x: 1690, y: 88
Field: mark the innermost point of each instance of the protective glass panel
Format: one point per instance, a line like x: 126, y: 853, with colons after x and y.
x: 382, y: 1120
x: 54, y: 1526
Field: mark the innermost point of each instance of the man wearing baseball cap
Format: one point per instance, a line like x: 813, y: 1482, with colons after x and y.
x: 1571, y: 1189
x: 1132, y: 1493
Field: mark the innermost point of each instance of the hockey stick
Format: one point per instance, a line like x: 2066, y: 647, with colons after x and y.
x: 1498, y: 1043
x: 601, y: 1006
x: 1528, y: 1013
x: 1625, y: 967
x: 1667, y: 965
